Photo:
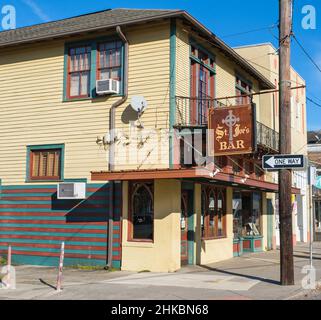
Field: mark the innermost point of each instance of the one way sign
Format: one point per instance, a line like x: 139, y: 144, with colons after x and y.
x: 285, y: 161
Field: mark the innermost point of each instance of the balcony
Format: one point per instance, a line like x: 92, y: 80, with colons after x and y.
x: 192, y: 112
x: 267, y: 137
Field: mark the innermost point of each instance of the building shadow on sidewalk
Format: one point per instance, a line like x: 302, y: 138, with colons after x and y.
x: 271, y: 281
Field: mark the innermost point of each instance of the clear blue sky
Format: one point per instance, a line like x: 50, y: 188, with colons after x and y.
x: 223, y: 17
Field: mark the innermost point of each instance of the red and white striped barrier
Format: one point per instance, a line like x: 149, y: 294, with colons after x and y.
x: 61, y: 264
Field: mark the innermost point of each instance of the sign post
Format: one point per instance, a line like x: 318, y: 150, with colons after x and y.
x: 61, y: 263
x: 312, y: 181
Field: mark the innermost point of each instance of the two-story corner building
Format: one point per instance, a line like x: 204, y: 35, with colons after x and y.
x: 314, y: 153
x: 126, y: 196
x: 265, y: 58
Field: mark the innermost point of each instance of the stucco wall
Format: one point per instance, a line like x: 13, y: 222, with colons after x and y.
x: 163, y: 255
x: 209, y: 251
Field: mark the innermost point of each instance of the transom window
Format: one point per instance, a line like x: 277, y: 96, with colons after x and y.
x: 213, y: 212
x: 141, y: 217
x: 242, y: 88
x: 79, y: 72
x: 45, y: 164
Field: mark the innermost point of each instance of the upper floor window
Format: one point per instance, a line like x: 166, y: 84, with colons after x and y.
x: 45, y: 163
x: 89, y: 62
x: 109, y: 66
x: 242, y: 87
x: 202, y: 84
x: 79, y: 72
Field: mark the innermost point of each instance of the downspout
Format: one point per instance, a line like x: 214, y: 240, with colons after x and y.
x: 111, y: 156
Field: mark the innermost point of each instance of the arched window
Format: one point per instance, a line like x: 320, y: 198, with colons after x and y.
x: 141, y: 215
x: 220, y: 214
x: 203, y: 212
x: 211, y: 214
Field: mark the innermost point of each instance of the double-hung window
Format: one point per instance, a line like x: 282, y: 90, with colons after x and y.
x: 88, y: 62
x: 109, y: 65
x: 79, y: 72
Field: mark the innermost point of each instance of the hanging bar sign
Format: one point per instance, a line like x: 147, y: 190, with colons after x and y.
x: 232, y: 130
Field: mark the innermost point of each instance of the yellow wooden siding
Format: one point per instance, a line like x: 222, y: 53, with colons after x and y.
x: 32, y: 111
x: 183, y: 73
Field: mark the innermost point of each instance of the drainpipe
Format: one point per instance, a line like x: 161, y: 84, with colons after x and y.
x: 111, y: 156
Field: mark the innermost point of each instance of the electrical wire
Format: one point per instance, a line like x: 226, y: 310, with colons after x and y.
x: 315, y: 103
x: 249, y: 31
x: 306, y: 53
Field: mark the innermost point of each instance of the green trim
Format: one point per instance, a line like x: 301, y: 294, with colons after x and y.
x: 56, y: 234
x: 46, y: 146
x: 93, y: 42
x: 252, y: 240
x: 45, y: 241
x: 48, y: 186
x: 76, y: 180
x: 172, y: 107
x: 213, y: 70
x: 54, y: 261
x: 54, y: 226
x: 212, y: 56
x: 93, y: 69
x: 194, y: 43
x: 247, y: 81
x: 64, y: 97
x: 80, y: 210
x: 238, y: 241
x: 76, y: 251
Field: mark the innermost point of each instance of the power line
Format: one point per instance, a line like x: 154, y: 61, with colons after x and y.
x: 306, y: 53
x: 315, y: 103
x: 249, y: 31
x: 293, y: 81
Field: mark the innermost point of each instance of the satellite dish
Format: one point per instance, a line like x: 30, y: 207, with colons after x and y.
x: 139, y: 104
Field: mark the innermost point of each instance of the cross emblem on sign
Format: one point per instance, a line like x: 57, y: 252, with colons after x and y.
x: 231, y: 120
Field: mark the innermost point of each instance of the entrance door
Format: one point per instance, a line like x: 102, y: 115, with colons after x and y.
x: 184, y: 228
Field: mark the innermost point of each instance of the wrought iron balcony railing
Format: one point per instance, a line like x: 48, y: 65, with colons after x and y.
x: 267, y: 137
x: 192, y: 112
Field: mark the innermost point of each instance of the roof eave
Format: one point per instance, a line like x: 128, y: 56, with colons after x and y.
x: 264, y: 82
x: 86, y: 30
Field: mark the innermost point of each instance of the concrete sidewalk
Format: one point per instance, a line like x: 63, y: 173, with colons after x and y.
x: 254, y: 276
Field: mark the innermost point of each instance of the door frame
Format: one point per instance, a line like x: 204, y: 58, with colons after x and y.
x: 189, y: 188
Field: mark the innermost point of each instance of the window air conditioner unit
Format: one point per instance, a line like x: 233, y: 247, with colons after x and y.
x: 74, y: 190
x: 108, y: 86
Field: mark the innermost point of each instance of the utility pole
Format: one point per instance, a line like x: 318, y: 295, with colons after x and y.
x: 285, y: 176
